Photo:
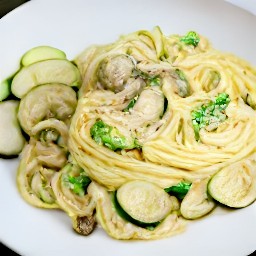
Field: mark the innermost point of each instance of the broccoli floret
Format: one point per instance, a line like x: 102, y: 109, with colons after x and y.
x: 111, y: 137
x: 75, y: 178
x: 210, y: 115
x: 179, y: 190
x: 79, y: 184
x: 191, y: 38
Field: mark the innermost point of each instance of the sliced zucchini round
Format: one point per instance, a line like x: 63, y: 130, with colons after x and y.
x: 144, y: 201
x: 46, y: 102
x: 12, y: 140
x: 45, y: 72
x: 234, y: 186
x: 5, y: 90
x: 40, y: 53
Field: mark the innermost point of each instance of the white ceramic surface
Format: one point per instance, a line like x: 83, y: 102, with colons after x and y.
x: 249, y: 5
x: 72, y: 25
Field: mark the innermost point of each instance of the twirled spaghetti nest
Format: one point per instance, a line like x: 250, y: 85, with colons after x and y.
x: 170, y: 151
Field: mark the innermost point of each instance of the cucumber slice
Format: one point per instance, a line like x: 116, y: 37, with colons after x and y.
x: 234, y: 186
x: 40, y: 53
x: 44, y: 72
x: 144, y: 201
x: 5, y: 90
x: 11, y: 138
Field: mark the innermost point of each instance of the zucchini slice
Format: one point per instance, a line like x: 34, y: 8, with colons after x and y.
x: 11, y: 138
x: 40, y: 53
x: 44, y: 72
x: 235, y: 185
x: 5, y: 89
x: 144, y: 201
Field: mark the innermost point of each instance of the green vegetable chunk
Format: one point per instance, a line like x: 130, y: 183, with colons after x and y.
x: 234, y: 185
x: 191, y: 38
x: 131, y: 104
x: 111, y: 137
x: 42, y: 52
x: 124, y: 215
x: 5, y: 89
x: 79, y: 183
x: 151, y: 80
x: 143, y: 203
x: 211, y: 115
x: 76, y: 179
x: 179, y: 190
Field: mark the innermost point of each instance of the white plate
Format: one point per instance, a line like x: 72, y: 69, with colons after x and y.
x: 71, y: 26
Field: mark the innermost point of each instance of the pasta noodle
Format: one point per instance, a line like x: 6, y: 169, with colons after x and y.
x: 172, y: 153
x: 165, y: 110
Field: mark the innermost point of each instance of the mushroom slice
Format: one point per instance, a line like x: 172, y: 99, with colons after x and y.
x: 114, y: 72
x: 196, y: 203
x: 84, y: 225
x: 150, y: 104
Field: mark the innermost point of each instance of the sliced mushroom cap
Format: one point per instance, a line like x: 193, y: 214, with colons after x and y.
x: 84, y: 225
x: 196, y: 203
x: 150, y: 104
x: 114, y: 71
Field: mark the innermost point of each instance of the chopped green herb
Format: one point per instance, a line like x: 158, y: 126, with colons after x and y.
x: 151, y: 80
x: 210, y: 115
x: 179, y: 190
x: 191, y: 38
x: 154, y: 81
x: 79, y: 184
x: 111, y: 137
x: 131, y: 104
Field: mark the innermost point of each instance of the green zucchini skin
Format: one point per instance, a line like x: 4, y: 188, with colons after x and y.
x: 146, y: 203
x: 42, y: 52
x: 45, y: 72
x: 5, y: 90
x: 234, y: 186
x: 11, y: 138
x: 122, y: 213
